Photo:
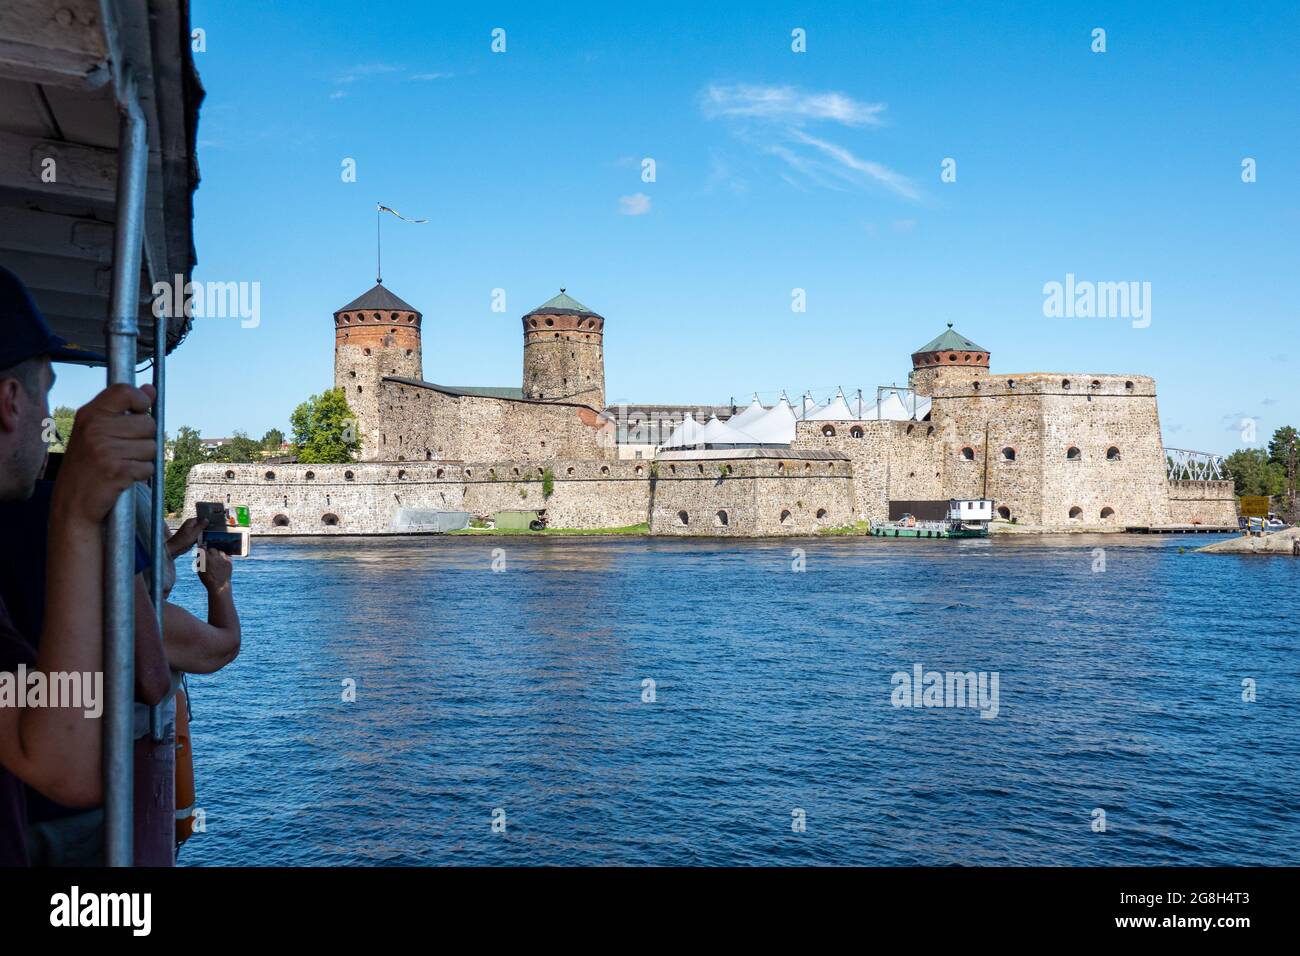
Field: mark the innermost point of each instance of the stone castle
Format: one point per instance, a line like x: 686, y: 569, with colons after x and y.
x: 1054, y: 451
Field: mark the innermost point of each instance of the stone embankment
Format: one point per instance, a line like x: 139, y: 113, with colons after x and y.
x: 1278, y: 542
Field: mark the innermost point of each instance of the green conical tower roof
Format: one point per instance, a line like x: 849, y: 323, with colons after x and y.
x: 950, y: 340
x: 562, y: 304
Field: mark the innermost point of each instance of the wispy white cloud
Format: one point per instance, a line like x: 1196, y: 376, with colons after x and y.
x: 788, y: 103
x: 638, y: 204
x: 432, y: 76
x: 775, y: 119
x: 362, y: 70
x: 848, y: 161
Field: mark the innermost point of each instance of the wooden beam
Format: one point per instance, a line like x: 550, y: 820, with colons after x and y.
x: 80, y: 172
x: 48, y: 233
x: 59, y: 44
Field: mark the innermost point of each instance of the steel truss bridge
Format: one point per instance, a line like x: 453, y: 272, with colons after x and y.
x: 1186, y: 465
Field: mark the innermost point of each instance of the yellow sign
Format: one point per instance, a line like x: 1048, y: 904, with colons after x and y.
x: 1254, y: 506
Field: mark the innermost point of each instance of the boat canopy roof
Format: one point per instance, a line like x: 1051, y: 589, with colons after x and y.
x: 63, y: 77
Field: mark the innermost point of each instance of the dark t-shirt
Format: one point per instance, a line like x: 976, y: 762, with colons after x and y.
x: 22, y: 588
x: 13, y: 807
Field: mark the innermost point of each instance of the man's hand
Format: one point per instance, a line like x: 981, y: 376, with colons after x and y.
x: 112, y: 447
x: 216, y: 571
x: 186, y: 536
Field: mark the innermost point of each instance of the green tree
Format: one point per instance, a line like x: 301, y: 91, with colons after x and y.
x: 1284, y: 453
x: 1253, y: 473
x: 240, y: 449
x: 272, y: 441
x: 186, y: 453
x: 63, y: 418
x: 324, y: 429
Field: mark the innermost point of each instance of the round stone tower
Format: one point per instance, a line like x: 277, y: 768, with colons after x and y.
x: 949, y: 359
x: 376, y: 336
x: 564, y: 353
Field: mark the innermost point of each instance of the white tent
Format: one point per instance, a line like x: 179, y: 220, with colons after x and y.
x: 686, y: 434
x: 755, y: 411
x: 897, y: 407
x: 718, y: 432
x: 808, y: 408
x: 835, y: 410
x: 776, y: 427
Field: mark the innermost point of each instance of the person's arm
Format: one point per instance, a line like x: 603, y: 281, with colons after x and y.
x: 153, y: 678
x: 58, y: 750
x: 203, y: 647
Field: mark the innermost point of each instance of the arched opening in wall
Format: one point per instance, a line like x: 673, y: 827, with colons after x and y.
x: 975, y: 385
x: 469, y: 472
x: 1075, y: 513
x: 910, y: 429
x: 720, y: 519
x: 515, y: 472
x: 821, y: 514
x: 683, y: 518
x: 1129, y: 386
x: 329, y: 519
x: 785, y: 516
x: 1112, y: 453
x: 348, y: 476
x: 1073, y: 454
x: 365, y: 351
x: 929, y: 431
x: 952, y: 358
x: 1096, y: 383
x: 639, y: 471
x: 401, y: 474
x: 358, y: 389
x: 428, y: 455
x: 1065, y: 383
x: 229, y: 475
x: 310, y: 476
x: 352, y: 373
x: 438, y: 474
x: 672, y: 469
x: 1004, y: 513
x: 855, y: 431
x: 269, y: 476
x: 280, y: 521
x: 1008, y: 454
x: 828, y: 431
x: 700, y: 468
x: 1011, y: 383
x: 604, y: 469
x: 968, y: 453
x: 1107, y: 513
x: 569, y: 470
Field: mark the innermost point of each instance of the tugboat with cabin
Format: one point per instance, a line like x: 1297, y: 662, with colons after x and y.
x: 964, y: 518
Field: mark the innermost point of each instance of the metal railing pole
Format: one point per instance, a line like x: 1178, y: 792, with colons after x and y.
x: 119, y: 558
x: 157, y: 530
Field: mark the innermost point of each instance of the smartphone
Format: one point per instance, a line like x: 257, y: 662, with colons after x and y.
x: 222, y: 534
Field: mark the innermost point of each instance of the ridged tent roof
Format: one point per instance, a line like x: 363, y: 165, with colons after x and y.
x: 378, y: 298
x: 950, y: 340
x: 563, y: 305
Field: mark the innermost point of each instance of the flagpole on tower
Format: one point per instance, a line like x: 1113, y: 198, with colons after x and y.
x: 379, y: 270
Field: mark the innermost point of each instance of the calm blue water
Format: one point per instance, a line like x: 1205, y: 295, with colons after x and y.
x: 522, y: 690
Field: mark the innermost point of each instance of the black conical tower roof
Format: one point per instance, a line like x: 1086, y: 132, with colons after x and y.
x: 379, y: 299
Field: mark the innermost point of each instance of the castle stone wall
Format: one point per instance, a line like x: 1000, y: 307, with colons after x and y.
x: 364, y: 498
x: 422, y: 423
x: 890, y: 460
x: 729, y: 494
x: 1211, y: 503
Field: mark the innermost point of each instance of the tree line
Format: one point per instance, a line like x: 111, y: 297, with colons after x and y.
x: 1268, y: 471
x: 324, y: 432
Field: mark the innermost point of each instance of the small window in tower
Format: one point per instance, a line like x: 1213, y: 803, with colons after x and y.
x: 352, y: 373
x: 952, y: 358
x: 1008, y: 454
x: 1073, y: 454
x: 968, y: 453
x: 365, y: 351
x: 1065, y: 383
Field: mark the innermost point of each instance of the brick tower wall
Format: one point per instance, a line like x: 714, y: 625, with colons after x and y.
x: 564, y: 358
x: 367, y: 347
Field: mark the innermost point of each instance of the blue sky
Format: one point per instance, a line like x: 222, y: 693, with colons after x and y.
x: 775, y: 170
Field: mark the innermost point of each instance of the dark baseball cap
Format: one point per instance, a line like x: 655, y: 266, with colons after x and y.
x: 24, y: 332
